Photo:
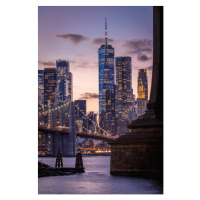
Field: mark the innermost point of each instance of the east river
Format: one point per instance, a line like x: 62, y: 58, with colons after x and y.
x: 95, y: 180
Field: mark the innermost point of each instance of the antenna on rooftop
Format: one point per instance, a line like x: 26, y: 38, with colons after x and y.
x: 105, y: 31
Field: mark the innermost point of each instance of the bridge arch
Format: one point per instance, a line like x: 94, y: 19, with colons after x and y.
x: 58, y: 113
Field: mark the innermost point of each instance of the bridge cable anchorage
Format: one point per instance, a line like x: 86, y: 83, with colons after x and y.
x: 92, y: 120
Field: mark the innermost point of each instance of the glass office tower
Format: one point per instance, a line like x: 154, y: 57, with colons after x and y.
x: 64, y: 81
x: 41, y: 87
x: 106, y: 74
x: 124, y: 87
x: 49, y: 89
x: 40, y: 95
x: 81, y: 104
x: 106, y: 77
x: 49, y: 85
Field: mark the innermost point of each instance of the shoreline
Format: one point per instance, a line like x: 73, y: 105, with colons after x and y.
x: 45, y: 170
x: 83, y: 155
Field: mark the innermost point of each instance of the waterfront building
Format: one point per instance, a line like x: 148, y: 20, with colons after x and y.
x: 106, y: 80
x: 64, y: 81
x: 142, y: 98
x: 49, y: 88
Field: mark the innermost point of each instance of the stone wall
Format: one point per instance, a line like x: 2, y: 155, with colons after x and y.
x: 138, y: 153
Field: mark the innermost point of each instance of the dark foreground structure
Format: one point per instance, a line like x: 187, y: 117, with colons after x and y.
x: 140, y: 152
x: 45, y: 170
x: 79, y: 162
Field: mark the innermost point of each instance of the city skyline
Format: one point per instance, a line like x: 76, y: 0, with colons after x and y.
x: 75, y: 37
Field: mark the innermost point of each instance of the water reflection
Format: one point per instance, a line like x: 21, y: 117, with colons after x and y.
x: 96, y: 180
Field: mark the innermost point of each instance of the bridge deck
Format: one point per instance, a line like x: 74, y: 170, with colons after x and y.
x: 85, y: 134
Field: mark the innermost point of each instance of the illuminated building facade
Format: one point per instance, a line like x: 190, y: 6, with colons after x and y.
x: 40, y: 87
x: 124, y: 106
x: 81, y: 104
x: 49, y: 87
x: 106, y: 80
x: 142, y: 98
x: 92, y: 121
x: 80, y: 112
x: 142, y: 78
x: 64, y: 81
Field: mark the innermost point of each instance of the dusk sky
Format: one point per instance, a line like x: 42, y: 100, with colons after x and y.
x: 76, y: 33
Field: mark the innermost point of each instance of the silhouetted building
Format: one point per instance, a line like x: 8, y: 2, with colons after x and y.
x: 64, y: 81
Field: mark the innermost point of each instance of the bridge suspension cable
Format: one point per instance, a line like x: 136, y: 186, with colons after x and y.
x: 92, y: 121
x: 58, y: 107
x: 66, y: 104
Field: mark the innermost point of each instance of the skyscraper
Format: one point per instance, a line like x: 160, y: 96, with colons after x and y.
x: 49, y: 88
x: 40, y: 95
x: 106, y: 77
x: 64, y: 81
x: 80, y: 112
x: 41, y: 87
x: 142, y: 78
x: 142, y: 98
x: 124, y: 103
x: 81, y: 104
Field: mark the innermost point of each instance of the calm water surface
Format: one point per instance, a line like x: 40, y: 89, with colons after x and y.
x: 95, y: 180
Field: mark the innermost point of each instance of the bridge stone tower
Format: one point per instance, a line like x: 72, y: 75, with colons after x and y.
x: 58, y: 108
x: 72, y: 129
x: 66, y: 142
x: 140, y: 152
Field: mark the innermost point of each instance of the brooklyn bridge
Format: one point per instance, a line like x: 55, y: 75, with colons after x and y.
x: 64, y: 137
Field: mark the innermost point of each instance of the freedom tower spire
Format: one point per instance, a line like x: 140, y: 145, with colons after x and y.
x: 105, y: 32
x: 106, y: 84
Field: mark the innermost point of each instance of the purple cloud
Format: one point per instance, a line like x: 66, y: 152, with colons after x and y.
x: 74, y: 38
x: 47, y: 63
x: 143, y: 57
x: 138, y: 46
x: 100, y: 41
x: 88, y: 95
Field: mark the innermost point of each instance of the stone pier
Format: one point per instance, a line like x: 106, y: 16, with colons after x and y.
x: 140, y: 152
